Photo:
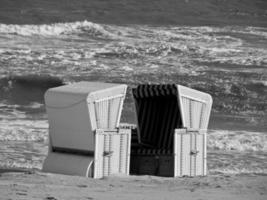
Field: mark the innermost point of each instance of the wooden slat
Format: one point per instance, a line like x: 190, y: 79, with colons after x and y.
x: 190, y: 153
x: 112, y: 152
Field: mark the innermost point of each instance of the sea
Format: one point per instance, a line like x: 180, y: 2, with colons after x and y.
x: 227, y: 60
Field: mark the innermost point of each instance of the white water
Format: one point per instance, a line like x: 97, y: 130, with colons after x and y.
x: 237, y: 140
x: 54, y: 29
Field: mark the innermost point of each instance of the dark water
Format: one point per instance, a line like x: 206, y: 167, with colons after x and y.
x: 220, y: 48
x: 125, y: 12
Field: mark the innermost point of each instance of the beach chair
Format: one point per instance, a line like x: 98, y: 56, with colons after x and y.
x: 84, y: 134
x: 172, y: 124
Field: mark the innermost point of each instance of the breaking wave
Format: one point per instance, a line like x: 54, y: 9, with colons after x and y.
x: 24, y: 130
x: 240, y: 141
x: 82, y: 27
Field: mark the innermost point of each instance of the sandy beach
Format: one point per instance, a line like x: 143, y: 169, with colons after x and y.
x: 38, y: 185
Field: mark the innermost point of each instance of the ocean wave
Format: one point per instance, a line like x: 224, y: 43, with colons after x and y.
x: 237, y: 140
x: 141, y: 51
x: 23, y: 130
x: 7, y: 163
x: 175, y: 46
x: 237, y: 170
x: 236, y: 162
x: 17, y: 154
x: 80, y: 27
x: 259, y: 31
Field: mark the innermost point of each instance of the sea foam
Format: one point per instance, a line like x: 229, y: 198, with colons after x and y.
x: 237, y: 140
x: 55, y: 29
x: 24, y: 130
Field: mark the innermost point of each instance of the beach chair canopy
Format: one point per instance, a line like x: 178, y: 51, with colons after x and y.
x: 160, y: 109
x: 75, y: 111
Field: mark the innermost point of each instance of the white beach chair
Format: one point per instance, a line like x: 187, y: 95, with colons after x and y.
x: 84, y: 133
x: 172, y: 124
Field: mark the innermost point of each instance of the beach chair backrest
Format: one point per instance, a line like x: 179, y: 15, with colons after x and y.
x: 108, y: 111
x: 76, y: 110
x: 195, y: 107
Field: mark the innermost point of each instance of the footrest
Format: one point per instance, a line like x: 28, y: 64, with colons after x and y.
x: 70, y: 164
